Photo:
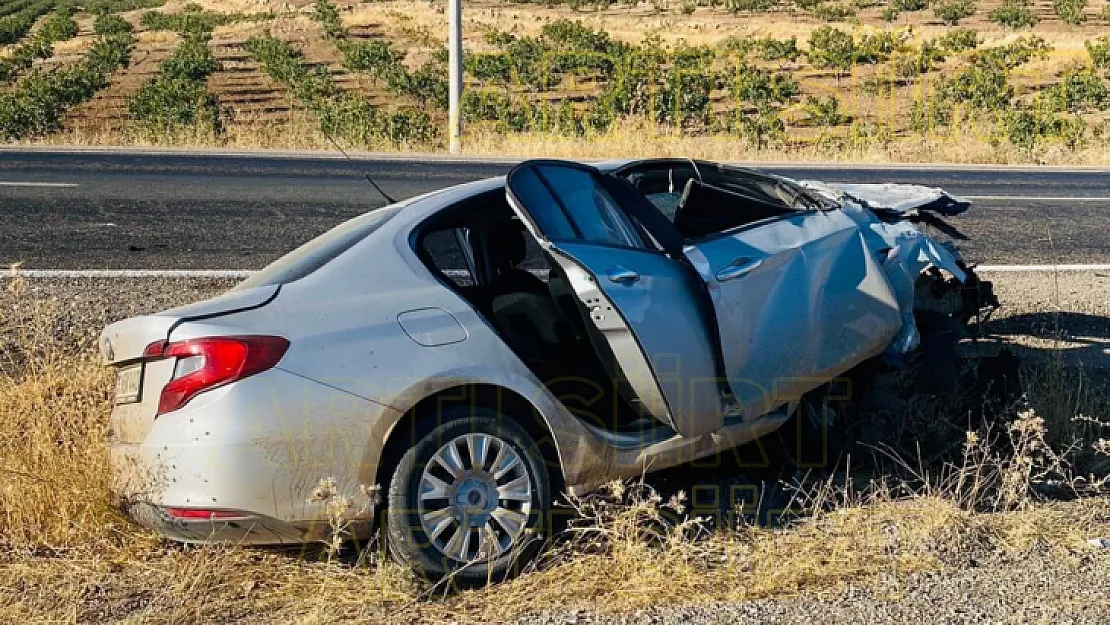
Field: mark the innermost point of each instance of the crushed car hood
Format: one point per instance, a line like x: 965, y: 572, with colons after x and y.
x: 903, y: 250
x: 904, y: 198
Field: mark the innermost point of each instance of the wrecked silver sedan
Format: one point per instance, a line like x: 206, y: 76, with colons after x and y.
x: 472, y: 352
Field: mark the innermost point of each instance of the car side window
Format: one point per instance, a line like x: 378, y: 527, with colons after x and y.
x: 570, y: 204
x: 443, y: 251
x: 661, y: 185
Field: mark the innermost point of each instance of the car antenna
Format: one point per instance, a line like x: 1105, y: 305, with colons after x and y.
x: 364, y: 173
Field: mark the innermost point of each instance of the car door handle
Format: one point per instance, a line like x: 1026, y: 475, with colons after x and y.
x: 739, y: 267
x: 623, y: 275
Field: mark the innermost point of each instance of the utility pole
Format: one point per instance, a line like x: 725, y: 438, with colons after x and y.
x: 454, y: 62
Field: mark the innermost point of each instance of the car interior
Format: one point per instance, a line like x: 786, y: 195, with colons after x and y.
x: 482, y: 251
x: 703, y: 199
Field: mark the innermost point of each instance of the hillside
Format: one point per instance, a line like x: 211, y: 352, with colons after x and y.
x: 1008, y: 81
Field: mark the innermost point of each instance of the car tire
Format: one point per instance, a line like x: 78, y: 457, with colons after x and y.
x: 469, y: 499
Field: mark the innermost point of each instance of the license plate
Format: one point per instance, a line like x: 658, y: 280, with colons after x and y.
x: 129, y: 383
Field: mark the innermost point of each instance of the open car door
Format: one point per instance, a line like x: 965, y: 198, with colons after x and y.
x: 646, y: 306
x: 800, y: 299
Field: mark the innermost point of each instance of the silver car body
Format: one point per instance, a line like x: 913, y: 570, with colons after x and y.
x: 372, y: 333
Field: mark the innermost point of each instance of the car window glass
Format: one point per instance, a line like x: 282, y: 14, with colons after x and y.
x: 596, y: 214
x: 442, y: 249
x: 535, y: 260
x: 541, y: 205
x: 319, y: 251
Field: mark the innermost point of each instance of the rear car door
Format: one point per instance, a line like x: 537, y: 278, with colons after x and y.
x: 643, y: 303
x: 799, y: 299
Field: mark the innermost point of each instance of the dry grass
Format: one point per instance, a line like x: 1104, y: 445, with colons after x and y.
x: 66, y: 554
x: 298, y: 130
x: 634, y: 139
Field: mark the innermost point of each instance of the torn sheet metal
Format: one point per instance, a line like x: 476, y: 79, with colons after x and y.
x: 905, y: 198
x: 904, y: 250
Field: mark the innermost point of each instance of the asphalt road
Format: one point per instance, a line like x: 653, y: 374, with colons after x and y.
x: 151, y: 210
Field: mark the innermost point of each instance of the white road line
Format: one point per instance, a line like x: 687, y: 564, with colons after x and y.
x: 55, y: 185
x: 1039, y: 268
x: 135, y: 273
x: 243, y: 273
x: 1037, y: 198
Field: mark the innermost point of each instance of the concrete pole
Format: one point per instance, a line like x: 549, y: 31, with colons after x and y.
x: 454, y: 62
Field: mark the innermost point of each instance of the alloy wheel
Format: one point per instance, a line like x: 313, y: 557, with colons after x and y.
x: 475, y: 498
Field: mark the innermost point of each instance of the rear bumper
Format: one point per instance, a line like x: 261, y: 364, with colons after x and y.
x: 251, y: 529
x: 259, y: 446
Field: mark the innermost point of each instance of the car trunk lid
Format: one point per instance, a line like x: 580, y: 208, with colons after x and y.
x: 125, y: 341
x: 140, y: 377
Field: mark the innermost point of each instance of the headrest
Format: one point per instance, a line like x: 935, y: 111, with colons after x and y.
x: 507, y: 245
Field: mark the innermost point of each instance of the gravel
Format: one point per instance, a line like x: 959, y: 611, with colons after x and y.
x: 1038, y: 587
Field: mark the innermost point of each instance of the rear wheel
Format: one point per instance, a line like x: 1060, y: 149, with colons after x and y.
x: 469, y: 498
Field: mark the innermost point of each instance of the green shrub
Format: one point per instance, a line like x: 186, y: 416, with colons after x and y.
x: 831, y: 48
x: 740, y: 45
x: 60, y: 27
x: 104, y: 7
x: 326, y: 14
x: 573, y: 35
x: 924, y: 59
x: 982, y: 86
x: 194, y: 19
x: 1099, y: 51
x: 829, y: 12
x: 166, y: 103
x: 1014, y: 14
x: 13, y: 27
x: 1104, y: 15
x: 15, y: 6
x: 875, y: 47
x: 1014, y: 54
x: 825, y: 112
x: 1079, y: 91
x: 482, y: 105
x: 107, y: 24
x: 952, y: 11
x: 890, y: 14
x: 377, y: 57
x: 192, y: 60
x: 864, y: 134
x: 755, y: 85
x: 761, y: 127
x: 38, y: 105
x: 909, y: 6
x: 1022, y: 127
x: 772, y: 49
x: 749, y: 6
x: 959, y: 40
x: 346, y: 115
x: 929, y: 114
x: 1070, y: 11
x: 1026, y: 126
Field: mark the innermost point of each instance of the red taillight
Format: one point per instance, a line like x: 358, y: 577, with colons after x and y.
x: 197, y: 514
x: 213, y: 362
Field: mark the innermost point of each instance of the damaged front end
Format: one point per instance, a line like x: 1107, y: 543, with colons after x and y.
x: 930, y: 278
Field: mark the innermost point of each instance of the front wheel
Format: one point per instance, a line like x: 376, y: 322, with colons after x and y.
x: 469, y: 499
